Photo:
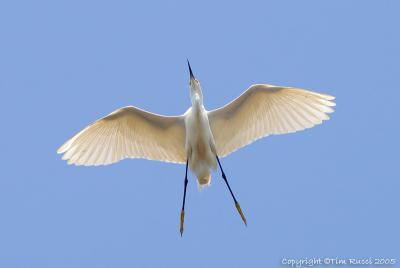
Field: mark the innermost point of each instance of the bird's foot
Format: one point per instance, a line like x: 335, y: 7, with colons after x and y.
x: 182, y: 221
x: 239, y: 209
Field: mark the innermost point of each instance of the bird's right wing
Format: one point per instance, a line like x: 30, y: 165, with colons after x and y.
x: 263, y: 110
x: 128, y: 132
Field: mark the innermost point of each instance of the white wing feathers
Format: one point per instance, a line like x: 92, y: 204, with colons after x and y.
x: 263, y: 110
x: 127, y: 133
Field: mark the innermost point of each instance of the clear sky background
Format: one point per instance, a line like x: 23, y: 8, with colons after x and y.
x: 331, y: 191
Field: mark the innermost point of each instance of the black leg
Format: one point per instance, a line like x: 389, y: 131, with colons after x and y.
x: 239, y: 209
x: 184, y: 198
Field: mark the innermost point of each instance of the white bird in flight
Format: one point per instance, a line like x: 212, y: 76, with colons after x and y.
x: 198, y: 137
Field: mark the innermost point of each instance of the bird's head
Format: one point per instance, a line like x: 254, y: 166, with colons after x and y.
x: 194, y: 85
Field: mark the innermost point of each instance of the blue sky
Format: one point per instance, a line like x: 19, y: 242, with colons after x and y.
x: 326, y: 192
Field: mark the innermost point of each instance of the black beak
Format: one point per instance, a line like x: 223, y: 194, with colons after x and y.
x: 190, y: 70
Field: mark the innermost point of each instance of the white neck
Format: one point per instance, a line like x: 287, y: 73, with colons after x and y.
x: 196, y: 96
x: 197, y: 101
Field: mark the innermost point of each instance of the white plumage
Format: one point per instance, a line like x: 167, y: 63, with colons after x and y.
x: 128, y: 132
x: 198, y: 136
x: 260, y: 111
x: 264, y: 110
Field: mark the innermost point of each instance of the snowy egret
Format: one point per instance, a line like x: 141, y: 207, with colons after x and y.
x: 198, y: 137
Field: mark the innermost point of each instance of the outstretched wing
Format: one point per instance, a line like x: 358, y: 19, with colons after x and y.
x: 264, y: 110
x: 128, y: 132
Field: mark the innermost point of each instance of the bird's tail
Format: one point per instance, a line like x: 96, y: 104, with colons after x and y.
x: 204, y: 180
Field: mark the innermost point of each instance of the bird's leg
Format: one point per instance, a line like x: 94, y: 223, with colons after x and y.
x: 184, y: 198
x: 239, y: 209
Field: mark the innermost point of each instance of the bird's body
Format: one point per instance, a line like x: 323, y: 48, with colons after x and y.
x: 200, y: 145
x: 198, y: 137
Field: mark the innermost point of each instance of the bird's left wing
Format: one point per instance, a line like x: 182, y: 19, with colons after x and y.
x: 263, y: 110
x: 128, y: 132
